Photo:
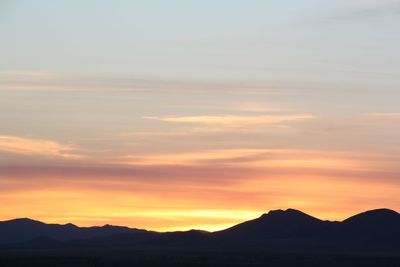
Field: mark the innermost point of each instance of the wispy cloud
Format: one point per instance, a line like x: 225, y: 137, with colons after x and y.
x: 234, y: 120
x: 36, y: 147
x: 249, y: 158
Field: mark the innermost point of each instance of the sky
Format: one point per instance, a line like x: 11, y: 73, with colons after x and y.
x: 176, y: 115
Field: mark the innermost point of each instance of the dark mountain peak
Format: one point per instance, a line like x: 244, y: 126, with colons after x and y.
x: 193, y: 232
x: 110, y: 226
x: 288, y: 223
x: 284, y: 212
x: 118, y: 229
x: 71, y: 225
x: 291, y: 215
x: 379, y: 224
x: 381, y: 212
x: 22, y: 221
x: 372, y: 216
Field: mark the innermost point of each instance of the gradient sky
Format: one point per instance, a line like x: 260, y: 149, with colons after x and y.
x: 170, y: 115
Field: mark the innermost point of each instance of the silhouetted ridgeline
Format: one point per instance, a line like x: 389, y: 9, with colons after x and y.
x: 278, y: 230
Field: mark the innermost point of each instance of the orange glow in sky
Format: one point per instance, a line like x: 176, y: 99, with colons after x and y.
x: 209, y: 190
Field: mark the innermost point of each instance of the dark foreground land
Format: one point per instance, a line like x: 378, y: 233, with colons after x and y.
x: 181, y: 257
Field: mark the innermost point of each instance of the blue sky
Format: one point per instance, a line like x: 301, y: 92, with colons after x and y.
x: 263, y: 41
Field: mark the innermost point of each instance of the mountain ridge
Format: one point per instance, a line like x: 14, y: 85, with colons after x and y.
x: 277, y: 229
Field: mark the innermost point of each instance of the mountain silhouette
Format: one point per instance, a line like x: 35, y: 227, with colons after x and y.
x: 24, y: 230
x: 379, y: 224
x: 277, y: 224
x: 276, y: 230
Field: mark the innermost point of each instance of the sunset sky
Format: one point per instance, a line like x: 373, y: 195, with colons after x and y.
x: 181, y: 114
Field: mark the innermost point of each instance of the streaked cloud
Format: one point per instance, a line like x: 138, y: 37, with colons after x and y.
x: 234, y: 120
x: 36, y: 147
x: 252, y: 159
